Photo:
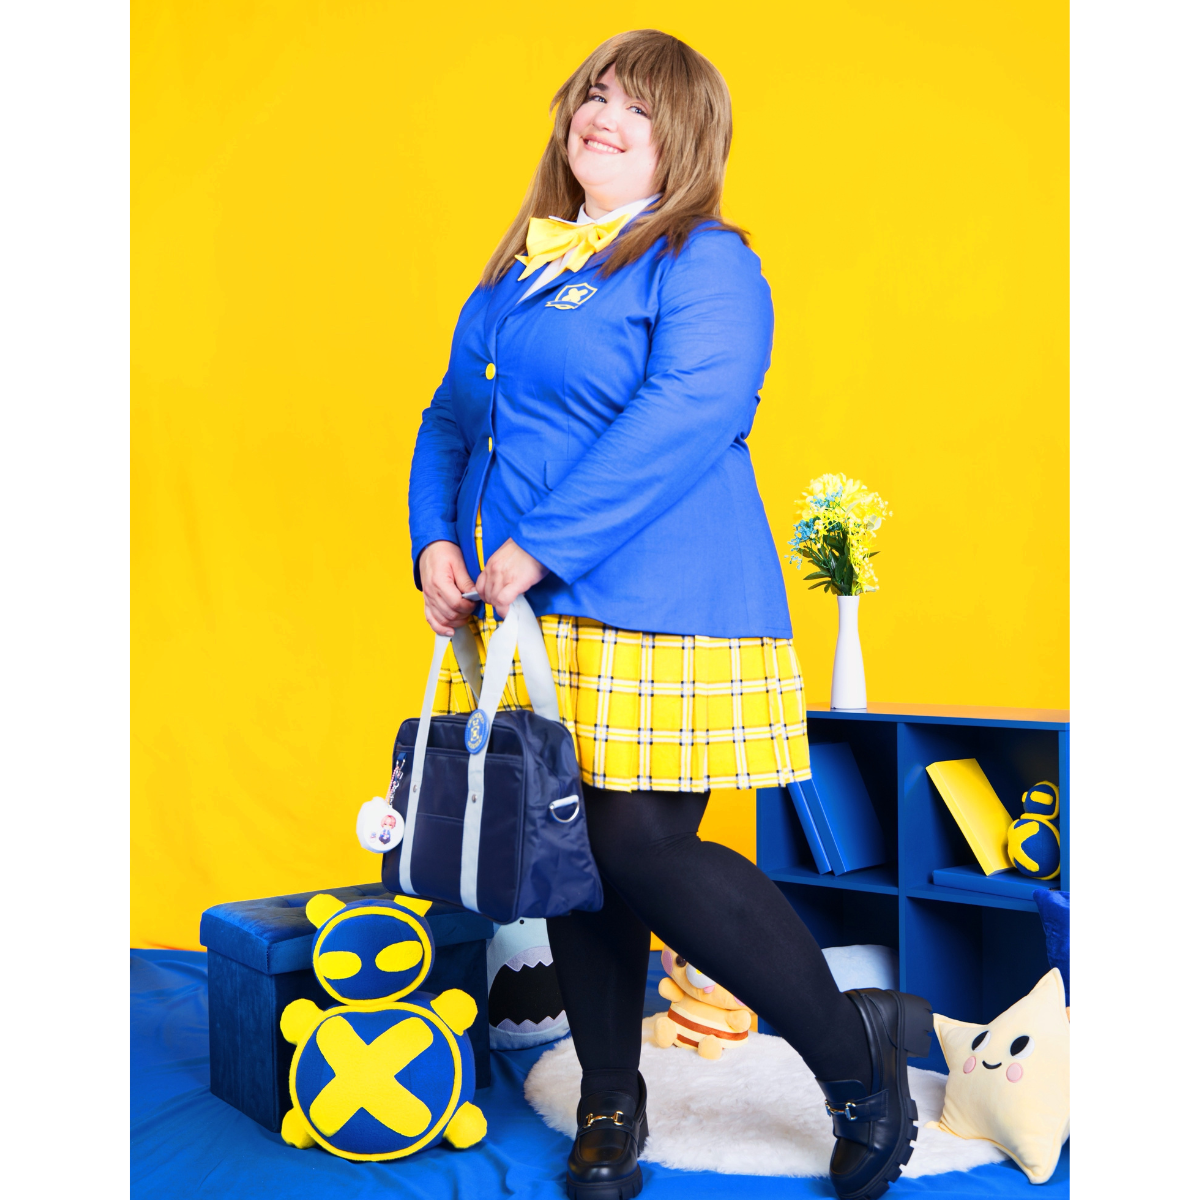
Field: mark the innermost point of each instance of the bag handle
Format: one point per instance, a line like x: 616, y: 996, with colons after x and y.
x: 520, y: 629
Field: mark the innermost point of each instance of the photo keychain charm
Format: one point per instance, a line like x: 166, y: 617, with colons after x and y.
x: 380, y: 827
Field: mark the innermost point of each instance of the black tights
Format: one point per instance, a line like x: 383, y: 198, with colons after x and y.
x: 709, y: 904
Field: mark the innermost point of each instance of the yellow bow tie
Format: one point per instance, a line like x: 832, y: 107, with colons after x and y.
x: 549, y: 238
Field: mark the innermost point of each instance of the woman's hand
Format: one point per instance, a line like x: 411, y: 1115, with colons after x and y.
x: 444, y: 578
x: 509, y: 573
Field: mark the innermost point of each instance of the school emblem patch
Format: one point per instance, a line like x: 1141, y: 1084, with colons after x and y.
x: 572, y: 296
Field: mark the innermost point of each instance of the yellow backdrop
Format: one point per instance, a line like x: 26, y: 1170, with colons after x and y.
x: 315, y: 189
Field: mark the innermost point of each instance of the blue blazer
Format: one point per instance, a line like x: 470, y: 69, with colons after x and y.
x: 602, y: 425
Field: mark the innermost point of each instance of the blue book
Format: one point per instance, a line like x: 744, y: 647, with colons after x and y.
x: 842, y: 811
x: 802, y: 801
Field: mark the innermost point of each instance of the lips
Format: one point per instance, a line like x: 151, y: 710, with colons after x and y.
x: 601, y: 147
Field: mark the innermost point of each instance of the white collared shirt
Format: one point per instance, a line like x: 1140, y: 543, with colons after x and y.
x: 550, y: 270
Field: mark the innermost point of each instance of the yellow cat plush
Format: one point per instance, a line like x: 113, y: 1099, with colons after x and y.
x: 703, y: 1016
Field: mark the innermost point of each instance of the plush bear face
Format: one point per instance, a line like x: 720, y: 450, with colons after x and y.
x: 695, y: 983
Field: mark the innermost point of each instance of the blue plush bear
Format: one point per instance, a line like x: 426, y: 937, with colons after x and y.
x: 1033, y: 842
x: 390, y: 1069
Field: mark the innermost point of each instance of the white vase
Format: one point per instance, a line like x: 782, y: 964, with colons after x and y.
x: 849, y: 680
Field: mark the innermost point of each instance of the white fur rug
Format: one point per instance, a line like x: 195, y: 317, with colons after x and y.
x: 755, y: 1111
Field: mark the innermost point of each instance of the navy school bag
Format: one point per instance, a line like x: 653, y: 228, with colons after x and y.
x: 492, y: 802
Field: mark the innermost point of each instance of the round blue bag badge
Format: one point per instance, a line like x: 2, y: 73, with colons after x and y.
x: 477, y: 731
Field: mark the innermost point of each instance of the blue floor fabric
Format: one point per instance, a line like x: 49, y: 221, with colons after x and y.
x: 186, y: 1142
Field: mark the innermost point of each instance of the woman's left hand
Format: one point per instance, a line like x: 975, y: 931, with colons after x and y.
x: 509, y: 573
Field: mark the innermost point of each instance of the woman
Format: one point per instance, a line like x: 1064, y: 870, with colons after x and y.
x: 587, y: 448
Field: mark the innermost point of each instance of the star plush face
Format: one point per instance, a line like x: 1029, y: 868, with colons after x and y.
x: 696, y: 984
x: 1010, y: 1080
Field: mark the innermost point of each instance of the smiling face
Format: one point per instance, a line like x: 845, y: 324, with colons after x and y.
x: 610, y: 147
x: 1021, y: 1046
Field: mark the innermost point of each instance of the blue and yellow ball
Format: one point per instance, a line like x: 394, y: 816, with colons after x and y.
x: 1033, y: 846
x: 1041, y: 800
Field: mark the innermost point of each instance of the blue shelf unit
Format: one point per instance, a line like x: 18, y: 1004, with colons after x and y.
x: 971, y: 954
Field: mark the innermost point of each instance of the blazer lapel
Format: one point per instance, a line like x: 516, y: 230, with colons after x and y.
x: 509, y: 293
x: 563, y: 277
x: 504, y: 296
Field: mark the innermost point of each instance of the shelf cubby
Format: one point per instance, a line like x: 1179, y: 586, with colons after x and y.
x: 971, y: 953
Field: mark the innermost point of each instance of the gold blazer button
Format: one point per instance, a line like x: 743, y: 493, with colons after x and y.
x: 491, y: 371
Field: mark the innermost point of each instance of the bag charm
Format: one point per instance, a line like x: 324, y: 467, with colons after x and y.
x: 380, y: 826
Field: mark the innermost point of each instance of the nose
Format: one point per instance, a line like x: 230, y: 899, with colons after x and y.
x: 605, y: 118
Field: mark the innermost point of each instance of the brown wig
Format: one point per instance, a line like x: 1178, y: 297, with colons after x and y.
x: 692, y: 122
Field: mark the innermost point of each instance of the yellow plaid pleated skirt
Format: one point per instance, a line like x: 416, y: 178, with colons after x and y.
x: 662, y: 712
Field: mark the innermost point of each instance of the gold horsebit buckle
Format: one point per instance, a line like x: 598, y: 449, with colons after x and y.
x: 615, y: 1118
x: 842, y: 1112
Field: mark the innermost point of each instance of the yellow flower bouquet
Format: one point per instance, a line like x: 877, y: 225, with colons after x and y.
x: 838, y: 522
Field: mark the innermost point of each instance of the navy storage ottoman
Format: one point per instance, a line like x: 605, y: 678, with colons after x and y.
x: 260, y: 960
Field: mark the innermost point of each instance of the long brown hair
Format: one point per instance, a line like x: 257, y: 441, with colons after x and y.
x: 692, y: 122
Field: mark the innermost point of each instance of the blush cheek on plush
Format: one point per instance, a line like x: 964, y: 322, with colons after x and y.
x: 1014, y: 1072
x: 969, y: 1065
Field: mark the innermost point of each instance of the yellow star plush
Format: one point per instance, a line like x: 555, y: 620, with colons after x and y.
x: 1010, y: 1081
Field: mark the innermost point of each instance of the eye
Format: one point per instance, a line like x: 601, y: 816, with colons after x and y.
x: 637, y: 108
x: 595, y: 96
x: 399, y: 956
x: 1021, y: 1047
x: 339, y: 964
x: 680, y: 961
x: 982, y: 1040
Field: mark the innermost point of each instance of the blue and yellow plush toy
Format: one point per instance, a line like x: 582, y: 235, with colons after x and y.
x: 390, y: 1070
x: 1033, y: 842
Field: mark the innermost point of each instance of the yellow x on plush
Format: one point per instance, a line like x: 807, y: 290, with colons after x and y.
x: 1010, y: 1081
x: 364, y: 1076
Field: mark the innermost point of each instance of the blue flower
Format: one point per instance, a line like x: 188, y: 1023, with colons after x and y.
x: 828, y: 500
x: 805, y: 531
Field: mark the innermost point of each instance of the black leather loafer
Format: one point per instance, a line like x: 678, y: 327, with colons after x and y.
x: 612, y: 1133
x: 875, y: 1127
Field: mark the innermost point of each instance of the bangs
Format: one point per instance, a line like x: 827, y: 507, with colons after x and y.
x: 656, y: 72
